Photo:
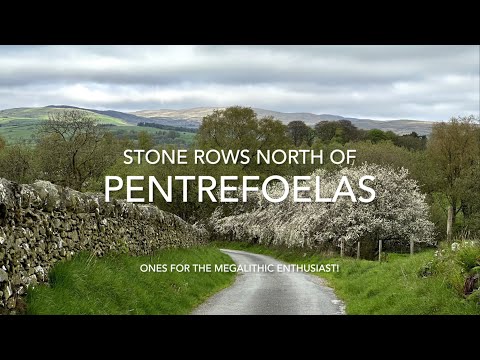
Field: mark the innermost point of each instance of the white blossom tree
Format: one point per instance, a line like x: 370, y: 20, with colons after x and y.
x: 398, y: 214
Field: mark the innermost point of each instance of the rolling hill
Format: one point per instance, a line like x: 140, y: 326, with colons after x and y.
x: 126, y: 117
x: 23, y: 119
x: 21, y: 124
x: 17, y: 115
x: 193, y: 117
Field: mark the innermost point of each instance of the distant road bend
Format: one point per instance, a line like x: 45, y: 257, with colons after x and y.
x: 271, y: 293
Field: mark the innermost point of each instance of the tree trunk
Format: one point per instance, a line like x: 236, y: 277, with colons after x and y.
x: 450, y: 221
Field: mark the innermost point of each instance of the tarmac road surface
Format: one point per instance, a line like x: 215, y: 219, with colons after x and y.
x: 271, y: 293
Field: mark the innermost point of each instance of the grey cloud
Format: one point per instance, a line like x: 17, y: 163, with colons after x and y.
x: 242, y: 65
x: 426, y: 82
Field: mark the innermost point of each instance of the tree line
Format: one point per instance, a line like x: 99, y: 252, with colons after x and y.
x: 166, y: 127
x: 343, y: 131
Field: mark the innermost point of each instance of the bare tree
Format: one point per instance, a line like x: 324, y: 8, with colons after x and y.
x: 73, y: 148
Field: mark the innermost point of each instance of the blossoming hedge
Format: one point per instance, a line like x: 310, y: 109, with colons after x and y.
x: 398, y: 214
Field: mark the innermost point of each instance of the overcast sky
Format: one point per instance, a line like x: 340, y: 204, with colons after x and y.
x: 377, y: 82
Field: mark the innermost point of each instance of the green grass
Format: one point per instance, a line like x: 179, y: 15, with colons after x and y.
x: 17, y: 133
x: 370, y: 287
x: 115, y: 285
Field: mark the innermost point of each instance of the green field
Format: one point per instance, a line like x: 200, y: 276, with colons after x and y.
x: 115, y: 285
x: 21, y: 125
x: 132, y: 131
x: 19, y: 115
x: 17, y: 133
x: 391, y: 287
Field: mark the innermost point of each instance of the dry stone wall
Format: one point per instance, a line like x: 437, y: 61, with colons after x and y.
x: 43, y: 223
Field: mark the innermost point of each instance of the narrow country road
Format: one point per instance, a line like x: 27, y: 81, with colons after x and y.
x: 271, y: 293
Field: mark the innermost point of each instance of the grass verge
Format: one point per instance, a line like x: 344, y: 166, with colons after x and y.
x: 115, y: 285
x: 370, y: 287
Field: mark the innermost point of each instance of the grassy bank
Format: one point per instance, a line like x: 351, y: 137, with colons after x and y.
x: 115, y: 284
x: 391, y: 287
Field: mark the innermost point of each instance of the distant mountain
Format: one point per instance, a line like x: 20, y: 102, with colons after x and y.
x: 308, y: 118
x: 188, y: 114
x: 181, y: 120
x: 193, y: 118
x: 130, y: 118
x: 188, y: 118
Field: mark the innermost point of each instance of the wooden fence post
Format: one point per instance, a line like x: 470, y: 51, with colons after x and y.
x: 411, y: 247
x: 449, y: 224
x: 379, y: 250
x: 341, y: 248
x: 358, y: 250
